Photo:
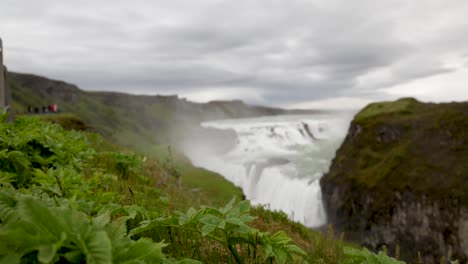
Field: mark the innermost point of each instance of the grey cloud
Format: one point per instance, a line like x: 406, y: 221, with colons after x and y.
x: 423, y: 72
x: 165, y: 76
x: 290, y: 50
x: 89, y: 29
x: 191, y: 42
x: 417, y: 69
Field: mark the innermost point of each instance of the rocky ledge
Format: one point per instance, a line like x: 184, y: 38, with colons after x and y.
x: 400, y: 179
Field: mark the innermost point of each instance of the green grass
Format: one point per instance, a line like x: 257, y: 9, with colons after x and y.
x: 376, y: 167
x: 165, y: 182
x: 211, y: 184
x: 398, y: 146
x: 23, y: 97
x: 130, y: 120
x: 127, y: 128
x: 67, y: 175
x: 403, y: 106
x: 67, y: 121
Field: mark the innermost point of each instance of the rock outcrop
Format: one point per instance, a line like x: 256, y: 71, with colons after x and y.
x: 400, y: 179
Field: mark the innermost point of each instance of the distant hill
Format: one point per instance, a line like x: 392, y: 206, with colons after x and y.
x: 132, y: 120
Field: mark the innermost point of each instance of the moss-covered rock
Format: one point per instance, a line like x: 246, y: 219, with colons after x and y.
x: 401, y: 178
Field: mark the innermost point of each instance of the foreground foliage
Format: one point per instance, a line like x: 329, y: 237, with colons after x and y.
x: 62, y: 201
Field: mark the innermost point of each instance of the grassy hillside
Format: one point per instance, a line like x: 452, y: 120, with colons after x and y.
x: 131, y: 120
x: 153, y: 202
x: 74, y: 197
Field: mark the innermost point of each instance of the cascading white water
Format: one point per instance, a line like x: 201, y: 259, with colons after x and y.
x: 278, y: 161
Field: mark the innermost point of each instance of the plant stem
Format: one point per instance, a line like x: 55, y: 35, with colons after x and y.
x: 232, y: 249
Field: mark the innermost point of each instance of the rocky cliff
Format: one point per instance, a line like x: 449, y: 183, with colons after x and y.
x: 400, y: 179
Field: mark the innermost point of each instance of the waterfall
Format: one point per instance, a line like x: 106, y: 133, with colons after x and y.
x: 278, y: 161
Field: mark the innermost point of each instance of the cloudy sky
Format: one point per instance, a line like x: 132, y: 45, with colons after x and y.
x: 290, y: 53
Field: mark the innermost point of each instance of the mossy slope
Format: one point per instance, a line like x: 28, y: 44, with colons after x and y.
x: 396, y: 155
x: 407, y: 145
x: 130, y: 120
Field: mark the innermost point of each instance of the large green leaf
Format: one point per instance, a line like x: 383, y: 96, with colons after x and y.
x: 212, y: 220
x: 98, y: 248
x: 41, y: 218
x: 142, y: 250
x: 206, y: 229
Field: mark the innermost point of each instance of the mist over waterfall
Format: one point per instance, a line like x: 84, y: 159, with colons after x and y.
x: 278, y: 161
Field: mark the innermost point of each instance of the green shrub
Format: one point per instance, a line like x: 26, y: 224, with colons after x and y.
x: 32, y: 232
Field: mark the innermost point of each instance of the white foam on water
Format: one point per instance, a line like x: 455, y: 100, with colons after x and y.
x: 279, y: 161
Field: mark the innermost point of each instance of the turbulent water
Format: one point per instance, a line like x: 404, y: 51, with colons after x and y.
x: 278, y: 161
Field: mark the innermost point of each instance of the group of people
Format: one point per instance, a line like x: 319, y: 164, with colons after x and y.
x: 53, y: 108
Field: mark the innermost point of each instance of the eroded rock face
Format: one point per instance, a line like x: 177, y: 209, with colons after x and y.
x: 463, y: 233
x: 400, y: 179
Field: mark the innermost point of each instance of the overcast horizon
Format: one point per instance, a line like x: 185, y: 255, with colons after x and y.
x: 296, y: 54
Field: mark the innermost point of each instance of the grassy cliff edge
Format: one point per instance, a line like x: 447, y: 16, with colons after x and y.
x: 399, y: 179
